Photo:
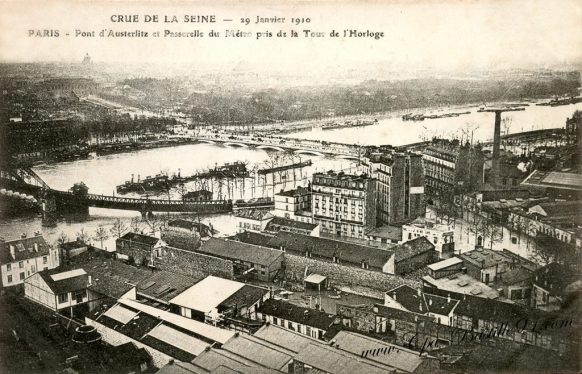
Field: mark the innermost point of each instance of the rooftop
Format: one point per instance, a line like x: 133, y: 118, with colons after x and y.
x: 337, y: 361
x: 285, y: 338
x: 555, y: 179
x: 280, y: 223
x: 207, y: 294
x: 23, y: 249
x: 68, y: 281
x: 387, y: 232
x: 232, y: 249
x: 329, y: 248
x: 140, y: 238
x: 259, y: 351
x: 113, y: 278
x: 419, y: 302
x: 445, y: 263
x: 254, y: 214
x: 403, y: 359
x: 298, y: 314
x: 462, y: 283
x: 484, y: 257
x: 299, y: 191
x: 412, y: 248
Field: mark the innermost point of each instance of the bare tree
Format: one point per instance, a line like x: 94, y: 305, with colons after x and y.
x: 62, y: 239
x: 118, y: 229
x: 156, y: 223
x: 83, y: 236
x: 136, y: 224
x: 101, y: 235
x: 487, y: 229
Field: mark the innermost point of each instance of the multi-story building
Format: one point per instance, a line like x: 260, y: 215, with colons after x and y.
x: 439, y: 234
x: 400, y: 179
x: 24, y: 257
x: 294, y: 204
x: 451, y: 168
x: 344, y: 205
x: 574, y: 128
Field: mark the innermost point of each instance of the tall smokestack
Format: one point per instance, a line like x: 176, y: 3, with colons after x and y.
x: 496, y: 148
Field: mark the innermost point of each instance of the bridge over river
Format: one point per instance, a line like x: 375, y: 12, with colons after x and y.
x: 297, y: 146
x: 25, y: 183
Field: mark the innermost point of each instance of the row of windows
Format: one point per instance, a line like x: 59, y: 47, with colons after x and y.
x: 21, y: 264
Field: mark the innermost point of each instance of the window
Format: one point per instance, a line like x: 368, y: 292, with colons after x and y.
x: 63, y: 298
x: 44, y: 259
x: 275, y: 320
x: 21, y: 276
x: 290, y: 325
x: 21, y: 264
x: 9, y: 267
x: 10, y: 279
x: 513, y: 240
x: 33, y: 269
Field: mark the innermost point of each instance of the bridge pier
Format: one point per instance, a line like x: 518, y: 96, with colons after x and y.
x: 55, y: 206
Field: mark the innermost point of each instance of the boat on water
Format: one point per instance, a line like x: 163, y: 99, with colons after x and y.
x: 348, y: 123
x: 157, y: 183
x: 563, y: 101
x: 413, y: 117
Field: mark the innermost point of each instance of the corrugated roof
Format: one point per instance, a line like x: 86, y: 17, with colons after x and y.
x: 205, y: 330
x: 179, y: 339
x: 403, y: 359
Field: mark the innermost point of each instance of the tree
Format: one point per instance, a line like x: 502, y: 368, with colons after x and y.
x: 62, y: 239
x: 136, y: 224
x: 101, y: 234
x: 156, y: 223
x: 83, y: 236
x: 487, y: 230
x: 118, y: 229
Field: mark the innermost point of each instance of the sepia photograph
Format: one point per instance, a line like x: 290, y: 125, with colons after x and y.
x: 293, y: 187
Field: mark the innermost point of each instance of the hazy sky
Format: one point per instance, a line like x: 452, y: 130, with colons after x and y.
x: 447, y: 35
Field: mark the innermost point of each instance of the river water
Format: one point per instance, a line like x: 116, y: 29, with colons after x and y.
x: 391, y: 129
x: 102, y: 174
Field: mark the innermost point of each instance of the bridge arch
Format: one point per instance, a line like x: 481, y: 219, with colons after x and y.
x: 206, y: 141
x: 308, y: 152
x: 271, y: 147
x: 236, y: 145
x: 347, y: 157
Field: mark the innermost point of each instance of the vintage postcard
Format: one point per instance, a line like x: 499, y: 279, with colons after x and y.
x: 299, y: 187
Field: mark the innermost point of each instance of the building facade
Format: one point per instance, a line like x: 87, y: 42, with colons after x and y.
x: 451, y: 168
x: 344, y: 205
x: 294, y: 204
x: 24, y: 257
x: 400, y: 179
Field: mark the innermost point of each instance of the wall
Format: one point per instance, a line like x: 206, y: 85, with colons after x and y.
x: 193, y: 264
x: 339, y: 274
x: 38, y: 291
x: 416, y: 262
x: 137, y: 250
